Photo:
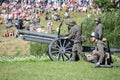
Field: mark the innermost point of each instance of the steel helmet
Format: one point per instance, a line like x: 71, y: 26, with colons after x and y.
x: 98, y: 19
x: 95, y: 34
x: 71, y: 22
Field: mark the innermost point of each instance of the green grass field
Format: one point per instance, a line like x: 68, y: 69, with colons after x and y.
x: 48, y: 70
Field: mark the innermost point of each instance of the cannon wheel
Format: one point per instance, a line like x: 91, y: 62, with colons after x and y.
x: 60, y: 50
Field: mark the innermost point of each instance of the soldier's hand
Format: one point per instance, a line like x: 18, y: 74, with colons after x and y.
x: 97, y: 64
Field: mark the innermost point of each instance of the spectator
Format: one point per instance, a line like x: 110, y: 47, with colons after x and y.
x: 21, y: 23
x: 66, y: 15
x: 32, y: 25
x: 12, y: 33
x: 6, y: 34
x: 39, y: 29
x: 1, y: 21
x: 49, y: 27
x: 38, y: 21
x: 10, y: 17
x: 9, y: 25
x: 25, y: 23
x: 17, y: 24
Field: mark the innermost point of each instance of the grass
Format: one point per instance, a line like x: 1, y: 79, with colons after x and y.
x: 11, y: 45
x: 47, y: 70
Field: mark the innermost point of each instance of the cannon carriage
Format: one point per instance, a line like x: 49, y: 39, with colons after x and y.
x: 58, y: 49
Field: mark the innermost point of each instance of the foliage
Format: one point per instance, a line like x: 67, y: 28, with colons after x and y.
x: 22, y: 58
x: 104, y: 4
x: 38, y: 49
x: 111, y: 21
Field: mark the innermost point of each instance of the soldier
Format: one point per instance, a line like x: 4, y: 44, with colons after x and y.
x: 99, y: 28
x: 74, y: 34
x: 99, y: 55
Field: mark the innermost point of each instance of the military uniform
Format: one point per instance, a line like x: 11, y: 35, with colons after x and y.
x: 101, y: 54
x: 104, y: 57
x: 74, y: 35
x: 101, y: 48
x: 99, y: 29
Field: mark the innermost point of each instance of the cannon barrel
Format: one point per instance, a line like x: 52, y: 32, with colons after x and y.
x: 37, y: 36
x: 115, y: 49
x: 25, y: 32
x: 90, y: 49
x: 37, y: 39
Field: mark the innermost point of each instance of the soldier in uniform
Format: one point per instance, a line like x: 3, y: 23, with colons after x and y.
x: 99, y: 28
x: 99, y: 55
x: 74, y: 34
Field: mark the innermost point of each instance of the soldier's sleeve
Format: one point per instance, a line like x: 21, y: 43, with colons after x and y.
x: 71, y: 33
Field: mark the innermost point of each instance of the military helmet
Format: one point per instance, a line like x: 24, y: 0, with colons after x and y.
x: 98, y: 19
x: 95, y: 34
x: 71, y: 22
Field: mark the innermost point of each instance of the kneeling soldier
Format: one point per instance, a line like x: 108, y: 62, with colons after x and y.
x: 99, y: 55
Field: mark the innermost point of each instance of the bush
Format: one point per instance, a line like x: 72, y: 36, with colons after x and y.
x: 105, y: 5
x: 111, y: 20
x: 38, y: 49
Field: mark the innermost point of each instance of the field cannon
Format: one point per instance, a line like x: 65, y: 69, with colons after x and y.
x: 59, y: 49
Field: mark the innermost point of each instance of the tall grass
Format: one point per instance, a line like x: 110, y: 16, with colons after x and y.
x: 38, y: 49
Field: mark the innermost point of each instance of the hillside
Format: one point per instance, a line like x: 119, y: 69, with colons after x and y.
x: 14, y: 46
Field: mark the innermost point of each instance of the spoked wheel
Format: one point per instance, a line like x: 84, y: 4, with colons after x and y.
x: 60, y: 50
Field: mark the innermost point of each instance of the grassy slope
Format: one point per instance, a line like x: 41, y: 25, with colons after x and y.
x: 47, y: 70
x: 11, y: 45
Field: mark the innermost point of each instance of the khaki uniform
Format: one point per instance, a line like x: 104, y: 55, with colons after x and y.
x: 99, y: 29
x: 101, y: 48
x: 75, y: 34
x: 104, y: 57
x: 98, y: 54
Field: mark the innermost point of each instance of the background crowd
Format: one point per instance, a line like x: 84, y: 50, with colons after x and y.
x: 27, y: 13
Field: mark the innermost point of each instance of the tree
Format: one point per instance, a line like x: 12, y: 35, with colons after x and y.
x: 105, y: 5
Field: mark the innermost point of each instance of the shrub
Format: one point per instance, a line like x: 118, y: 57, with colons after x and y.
x: 111, y: 20
x: 38, y: 49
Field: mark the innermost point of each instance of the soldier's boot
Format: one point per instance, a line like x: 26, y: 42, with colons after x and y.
x: 83, y: 56
x: 77, y: 57
x: 72, y: 58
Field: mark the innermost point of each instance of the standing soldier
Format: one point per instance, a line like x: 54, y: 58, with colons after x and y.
x: 99, y: 28
x: 75, y: 35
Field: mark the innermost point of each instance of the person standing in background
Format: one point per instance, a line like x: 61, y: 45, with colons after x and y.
x: 99, y: 28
